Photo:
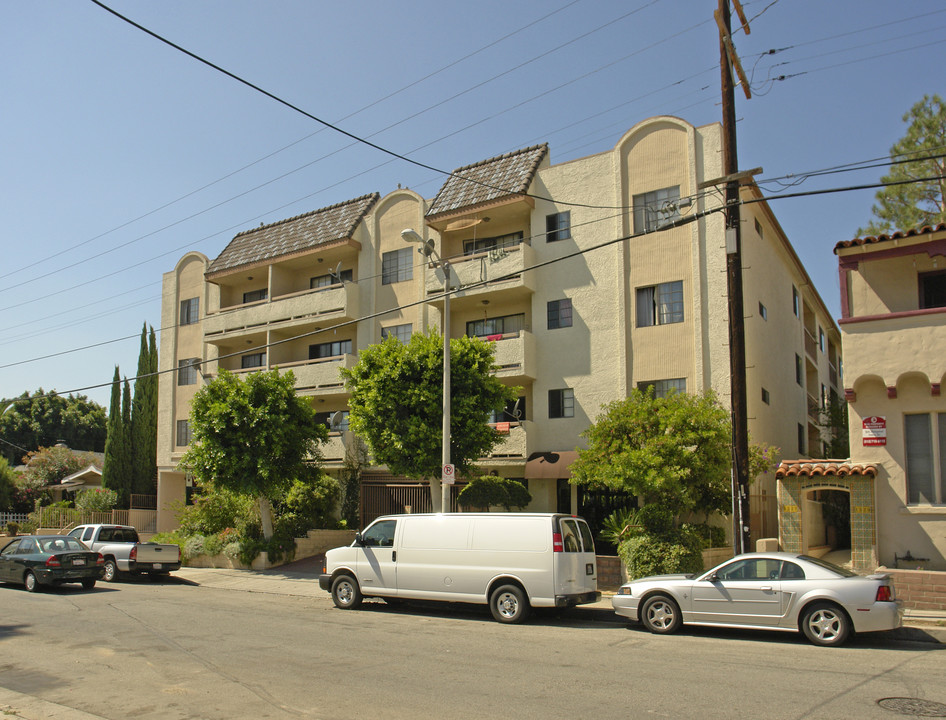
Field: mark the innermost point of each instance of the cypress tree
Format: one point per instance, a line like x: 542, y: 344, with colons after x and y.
x: 112, y: 474
x: 144, y: 419
x: 126, y: 460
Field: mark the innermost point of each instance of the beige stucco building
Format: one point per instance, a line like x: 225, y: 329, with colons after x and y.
x: 893, y: 296
x: 579, y: 313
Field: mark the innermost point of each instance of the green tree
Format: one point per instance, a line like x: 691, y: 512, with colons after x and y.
x: 396, y: 404
x: 834, y: 426
x: 906, y: 206
x: 44, y: 419
x: 489, y: 491
x: 113, y: 469
x: 144, y: 414
x: 253, y: 437
x: 50, y: 465
x: 7, y: 485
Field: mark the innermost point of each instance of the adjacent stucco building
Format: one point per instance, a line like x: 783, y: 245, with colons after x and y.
x: 565, y: 267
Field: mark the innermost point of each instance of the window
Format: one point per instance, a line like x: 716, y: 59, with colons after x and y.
x: 824, y: 397
x: 801, y: 439
x: 562, y: 403
x: 763, y: 312
x: 183, y: 433
x: 329, y: 349
x: 662, y: 388
x: 396, y: 266
x: 381, y: 534
x: 560, y: 313
x: 821, y: 339
x: 514, y: 411
x: 758, y: 227
x: 926, y: 479
x: 488, y: 327
x: 558, y: 226
x: 401, y: 332
x: 480, y: 245
x: 187, y: 371
x: 799, y: 377
x: 654, y: 209
x: 253, y: 360
x: 932, y: 290
x: 189, y: 310
x: 321, y: 281
x: 326, y: 419
x: 766, y: 398
x: 255, y: 295
x: 796, y: 302
x: 660, y: 304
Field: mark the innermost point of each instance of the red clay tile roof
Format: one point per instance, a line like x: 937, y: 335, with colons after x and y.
x: 496, y: 178
x: 811, y: 468
x: 293, y: 235
x: 900, y: 234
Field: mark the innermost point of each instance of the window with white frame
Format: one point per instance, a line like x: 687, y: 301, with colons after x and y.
x: 401, y: 332
x: 187, y: 370
x: 562, y: 403
x: 189, y: 310
x: 329, y: 349
x: 925, y: 458
x: 660, y: 304
x: 183, y: 433
x: 396, y: 266
x: 558, y: 226
x: 653, y: 210
x: 662, y: 388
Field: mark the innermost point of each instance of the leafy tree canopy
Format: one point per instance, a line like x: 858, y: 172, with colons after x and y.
x: 902, y: 207
x: 7, y: 484
x: 42, y: 420
x: 490, y: 491
x: 49, y: 465
x: 396, y: 402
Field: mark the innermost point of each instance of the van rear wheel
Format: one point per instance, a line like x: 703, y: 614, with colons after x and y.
x: 345, y: 592
x: 509, y: 604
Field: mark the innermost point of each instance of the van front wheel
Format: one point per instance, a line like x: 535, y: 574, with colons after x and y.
x: 345, y: 592
x: 509, y: 604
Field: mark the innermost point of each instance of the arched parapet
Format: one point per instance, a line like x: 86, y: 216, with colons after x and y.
x: 188, y: 259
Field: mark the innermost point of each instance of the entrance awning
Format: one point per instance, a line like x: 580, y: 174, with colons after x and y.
x: 552, y: 465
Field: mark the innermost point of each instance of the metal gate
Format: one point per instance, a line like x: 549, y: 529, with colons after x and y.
x: 389, y: 498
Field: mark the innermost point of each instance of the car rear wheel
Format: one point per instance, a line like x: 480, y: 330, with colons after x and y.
x: 825, y: 624
x: 111, y: 571
x: 509, y: 604
x: 661, y: 615
x: 345, y: 592
x: 88, y: 583
x: 30, y: 581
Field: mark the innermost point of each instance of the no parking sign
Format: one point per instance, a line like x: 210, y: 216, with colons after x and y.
x: 448, y: 474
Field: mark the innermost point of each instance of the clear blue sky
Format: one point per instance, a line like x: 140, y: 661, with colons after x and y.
x: 120, y: 153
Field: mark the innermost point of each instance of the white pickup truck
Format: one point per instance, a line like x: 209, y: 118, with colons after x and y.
x: 123, y: 552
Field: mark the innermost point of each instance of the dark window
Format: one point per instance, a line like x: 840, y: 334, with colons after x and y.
x: 799, y: 376
x: 655, y: 209
x: 796, y: 302
x: 801, y: 439
x: 919, y: 458
x: 183, y: 434
x: 558, y: 226
x: 932, y: 290
x: 330, y: 349
x: 791, y: 571
x: 321, y: 281
x: 660, y: 304
x: 187, y: 371
x: 562, y: 403
x: 401, y: 332
x: 396, y: 266
x: 189, y: 310
x: 326, y: 419
x: 763, y: 313
x: 560, y: 313
x: 765, y: 396
x: 661, y: 388
x: 758, y: 227
x: 255, y: 295
x: 514, y: 411
x: 253, y: 360
x: 479, y: 245
x: 496, y: 326
x: 821, y: 339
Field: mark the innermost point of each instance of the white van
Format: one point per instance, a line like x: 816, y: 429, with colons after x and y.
x: 512, y: 561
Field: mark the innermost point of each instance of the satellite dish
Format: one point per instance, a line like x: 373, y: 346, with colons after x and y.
x: 335, y: 420
x: 337, y: 272
x: 517, y: 409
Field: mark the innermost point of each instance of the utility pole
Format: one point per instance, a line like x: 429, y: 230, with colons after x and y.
x: 729, y: 63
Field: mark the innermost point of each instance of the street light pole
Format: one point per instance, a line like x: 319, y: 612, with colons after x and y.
x: 427, y: 249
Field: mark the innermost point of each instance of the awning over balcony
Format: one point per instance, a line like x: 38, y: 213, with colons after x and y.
x: 551, y: 465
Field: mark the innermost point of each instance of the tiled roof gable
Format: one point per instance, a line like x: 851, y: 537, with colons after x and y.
x: 493, y: 179
x: 813, y: 468
x: 294, y: 235
x: 899, y: 235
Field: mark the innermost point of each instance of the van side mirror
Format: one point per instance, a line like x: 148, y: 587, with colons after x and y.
x: 358, y: 540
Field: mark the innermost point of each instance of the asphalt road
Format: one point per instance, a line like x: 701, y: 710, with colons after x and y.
x: 176, y: 649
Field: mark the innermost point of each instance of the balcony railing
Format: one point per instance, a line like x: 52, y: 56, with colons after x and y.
x: 515, y: 354
x: 489, y: 267
x: 515, y: 442
x: 322, y: 374
x: 811, y: 345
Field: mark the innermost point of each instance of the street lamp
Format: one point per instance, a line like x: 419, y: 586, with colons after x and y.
x: 427, y: 249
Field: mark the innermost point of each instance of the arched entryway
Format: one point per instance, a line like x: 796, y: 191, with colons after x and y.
x: 820, y: 503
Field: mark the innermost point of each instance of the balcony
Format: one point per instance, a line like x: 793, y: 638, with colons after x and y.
x: 811, y: 345
x: 888, y: 346
x: 337, y: 302
x: 497, y: 270
x: 333, y: 449
x: 515, y: 444
x: 320, y: 377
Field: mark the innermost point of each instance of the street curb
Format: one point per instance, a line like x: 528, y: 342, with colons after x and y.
x: 18, y: 705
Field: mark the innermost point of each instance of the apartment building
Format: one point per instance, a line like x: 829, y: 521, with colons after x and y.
x: 568, y: 268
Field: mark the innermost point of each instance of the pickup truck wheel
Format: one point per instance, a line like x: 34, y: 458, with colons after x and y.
x: 345, y: 592
x: 111, y: 571
x: 30, y: 581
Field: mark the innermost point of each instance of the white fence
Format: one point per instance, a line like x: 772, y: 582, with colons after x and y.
x: 8, y: 517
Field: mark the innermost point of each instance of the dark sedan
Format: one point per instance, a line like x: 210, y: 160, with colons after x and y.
x: 37, y: 560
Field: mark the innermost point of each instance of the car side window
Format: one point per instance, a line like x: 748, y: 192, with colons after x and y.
x: 381, y: 534
x: 11, y: 548
x: 105, y: 535
x: 26, y: 547
x: 87, y: 535
x: 791, y: 571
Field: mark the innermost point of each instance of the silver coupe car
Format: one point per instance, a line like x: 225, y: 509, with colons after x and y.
x: 767, y: 591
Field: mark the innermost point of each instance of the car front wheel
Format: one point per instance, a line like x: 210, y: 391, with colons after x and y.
x: 345, y: 592
x: 661, y: 615
x: 825, y: 624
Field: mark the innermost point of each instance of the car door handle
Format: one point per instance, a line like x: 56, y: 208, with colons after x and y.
x: 766, y: 588
x: 394, y: 556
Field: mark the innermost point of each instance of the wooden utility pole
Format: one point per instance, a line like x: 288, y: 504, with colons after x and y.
x: 729, y: 63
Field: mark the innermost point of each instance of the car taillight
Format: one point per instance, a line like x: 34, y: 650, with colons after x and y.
x: 53, y: 562
x: 133, y: 555
x: 100, y: 559
x: 884, y: 594
x: 557, y: 543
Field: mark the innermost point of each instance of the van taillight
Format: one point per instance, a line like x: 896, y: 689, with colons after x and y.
x: 557, y: 543
x: 884, y: 594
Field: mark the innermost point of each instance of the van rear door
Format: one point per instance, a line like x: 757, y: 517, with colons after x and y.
x: 576, y: 572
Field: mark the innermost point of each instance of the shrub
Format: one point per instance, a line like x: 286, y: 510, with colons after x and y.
x: 620, y: 525
x: 711, y: 536
x: 12, y: 528
x: 193, y: 547
x: 492, y: 491
x: 307, y: 505
x: 678, y: 551
x: 232, y: 550
x: 214, y: 512
x: 213, y: 545
x: 96, y: 499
